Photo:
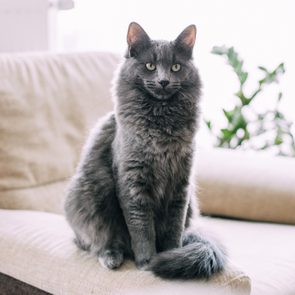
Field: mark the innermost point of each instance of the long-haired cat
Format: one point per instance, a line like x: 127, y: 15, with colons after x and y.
x: 133, y: 193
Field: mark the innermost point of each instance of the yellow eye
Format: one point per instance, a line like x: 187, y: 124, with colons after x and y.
x: 176, y: 67
x: 150, y: 66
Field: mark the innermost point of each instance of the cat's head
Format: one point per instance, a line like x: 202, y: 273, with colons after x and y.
x: 160, y: 68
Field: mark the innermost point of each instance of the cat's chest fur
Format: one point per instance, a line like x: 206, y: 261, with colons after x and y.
x: 159, y: 131
x: 150, y: 148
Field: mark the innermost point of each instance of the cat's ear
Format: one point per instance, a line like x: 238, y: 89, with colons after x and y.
x: 137, y: 39
x: 186, y: 40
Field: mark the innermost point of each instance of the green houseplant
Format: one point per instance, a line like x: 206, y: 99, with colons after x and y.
x: 265, y: 130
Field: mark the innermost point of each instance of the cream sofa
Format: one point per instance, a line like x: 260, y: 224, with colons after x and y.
x: 47, y: 105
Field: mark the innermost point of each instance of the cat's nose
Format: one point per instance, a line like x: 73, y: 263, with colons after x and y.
x: 164, y: 83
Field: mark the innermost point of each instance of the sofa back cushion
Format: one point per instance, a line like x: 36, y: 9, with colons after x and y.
x: 48, y: 103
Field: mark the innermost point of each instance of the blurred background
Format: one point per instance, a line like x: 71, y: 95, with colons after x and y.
x: 262, y: 34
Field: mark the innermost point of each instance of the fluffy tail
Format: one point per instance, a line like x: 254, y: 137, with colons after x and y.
x: 198, y: 258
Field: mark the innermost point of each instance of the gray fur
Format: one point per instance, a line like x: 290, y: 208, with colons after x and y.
x: 133, y: 194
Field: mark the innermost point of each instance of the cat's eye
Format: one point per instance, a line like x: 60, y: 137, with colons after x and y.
x: 176, y: 67
x: 150, y: 66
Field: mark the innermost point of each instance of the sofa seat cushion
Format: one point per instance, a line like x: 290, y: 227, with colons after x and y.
x: 37, y: 248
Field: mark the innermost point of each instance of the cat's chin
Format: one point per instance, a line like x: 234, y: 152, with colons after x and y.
x: 161, y: 96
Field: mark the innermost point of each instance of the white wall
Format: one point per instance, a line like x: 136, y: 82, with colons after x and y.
x: 23, y: 25
x: 262, y: 31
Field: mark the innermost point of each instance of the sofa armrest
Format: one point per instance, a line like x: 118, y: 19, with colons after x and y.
x: 246, y: 185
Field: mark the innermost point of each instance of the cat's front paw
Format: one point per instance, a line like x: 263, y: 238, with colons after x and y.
x: 143, y: 262
x: 143, y: 258
x: 111, y: 259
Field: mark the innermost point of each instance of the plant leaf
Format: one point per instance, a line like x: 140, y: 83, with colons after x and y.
x: 229, y: 114
x: 219, y: 50
x: 227, y: 134
x: 272, y: 76
x: 280, y: 95
x: 271, y: 126
x: 263, y: 69
x: 209, y: 124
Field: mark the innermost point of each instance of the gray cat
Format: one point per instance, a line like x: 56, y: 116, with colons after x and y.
x: 133, y: 193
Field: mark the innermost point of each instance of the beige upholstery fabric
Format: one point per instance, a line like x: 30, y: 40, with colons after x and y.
x: 47, y: 104
x: 247, y: 185
x: 47, y: 197
x: 265, y: 251
x: 37, y: 248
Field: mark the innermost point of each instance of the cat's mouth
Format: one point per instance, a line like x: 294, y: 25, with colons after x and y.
x: 163, y: 96
x: 161, y: 93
